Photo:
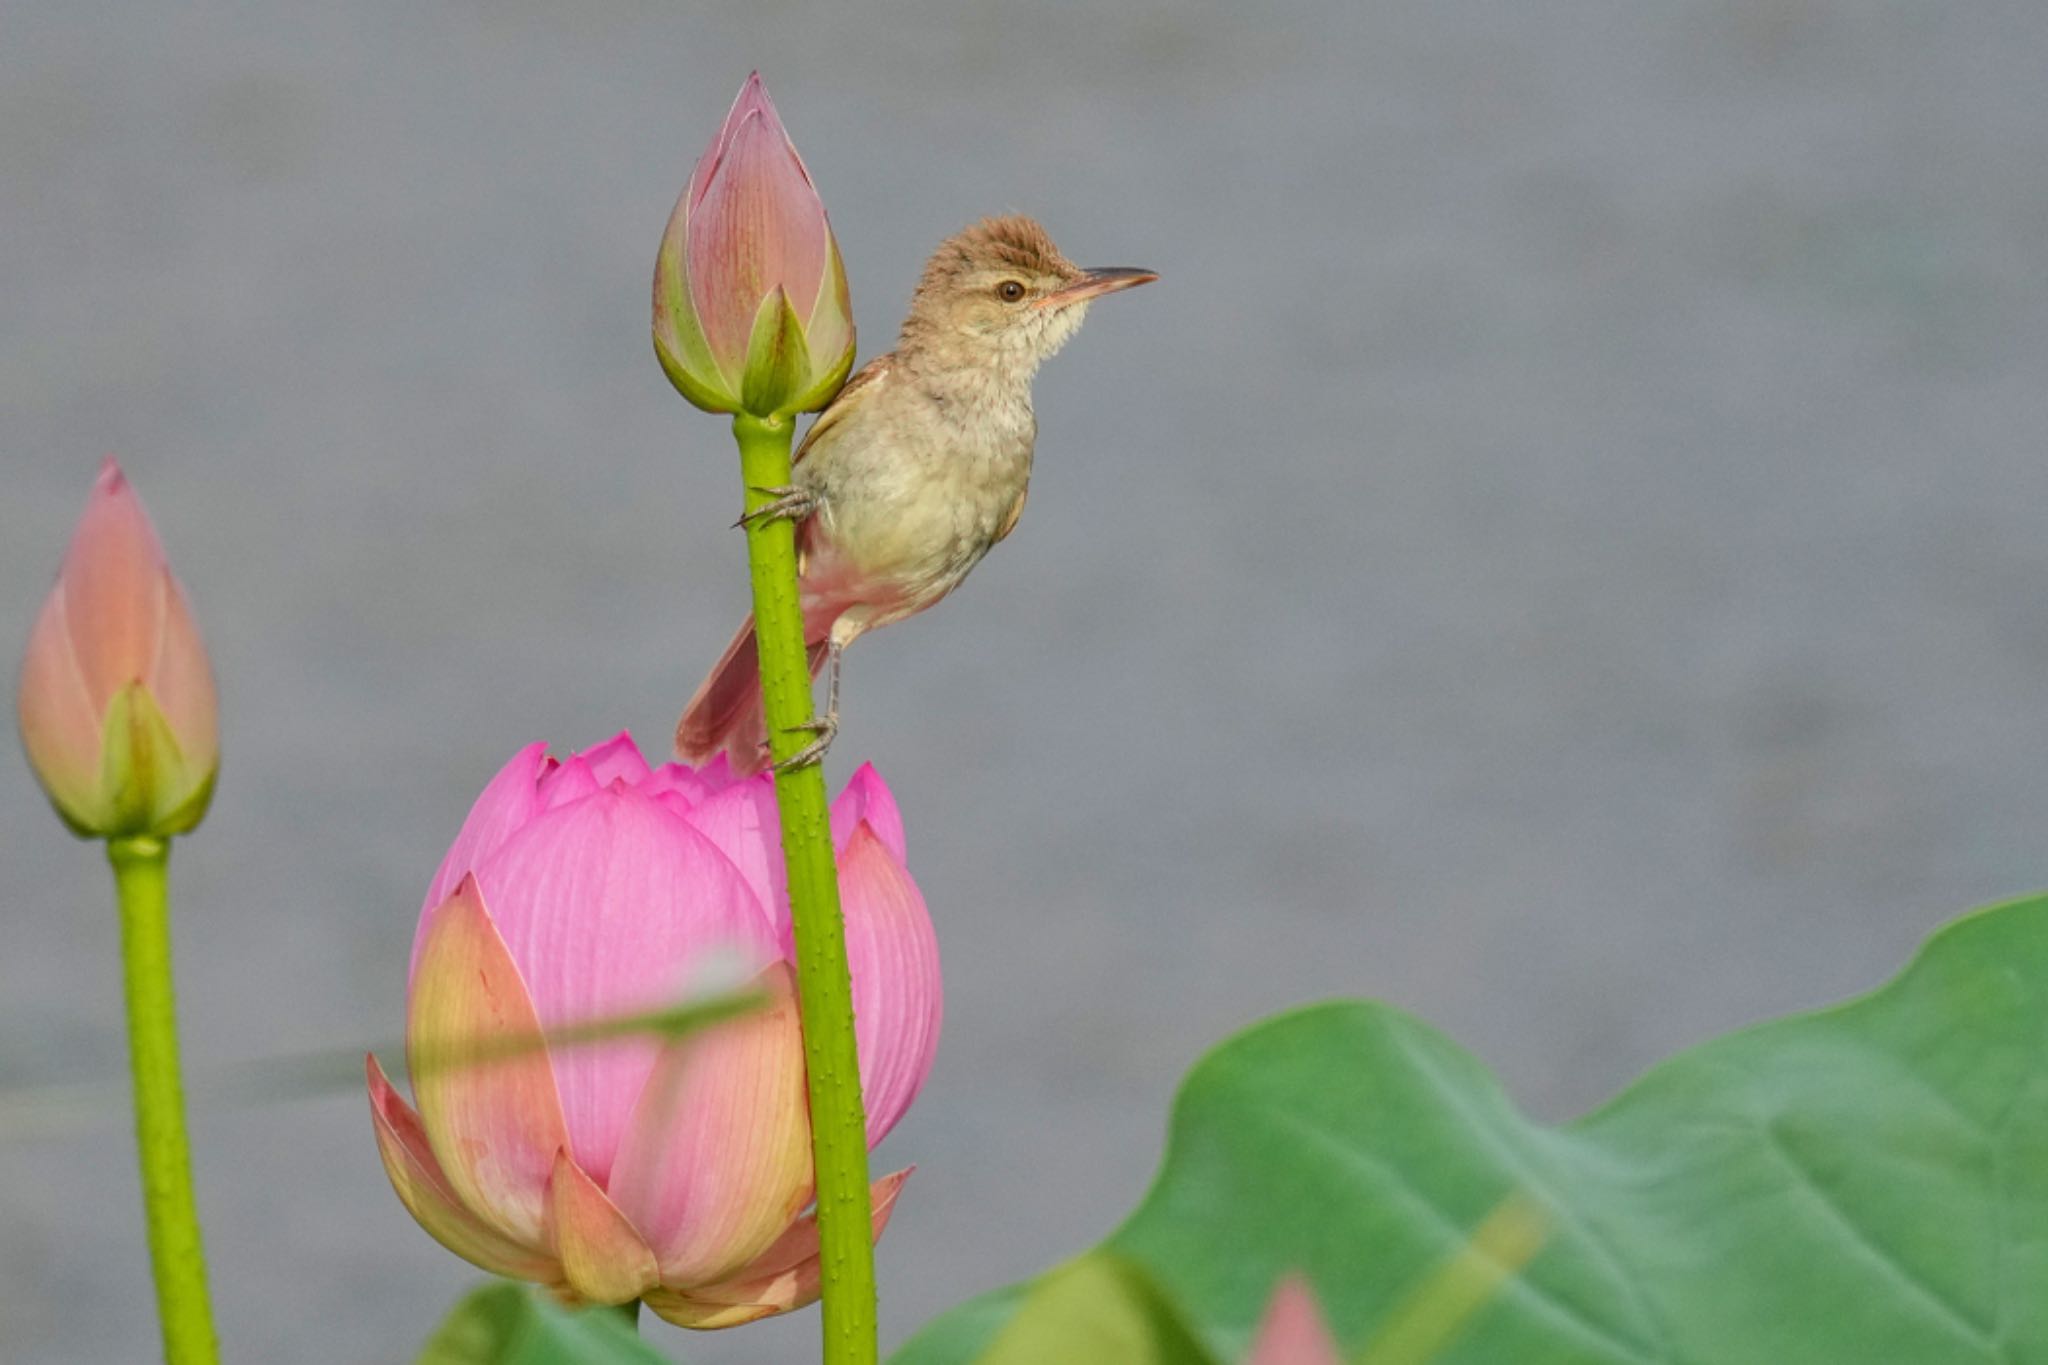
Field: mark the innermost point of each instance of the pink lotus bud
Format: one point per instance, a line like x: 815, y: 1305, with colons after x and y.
x: 1292, y: 1332
x: 672, y: 1171
x: 117, y: 704
x: 751, y: 312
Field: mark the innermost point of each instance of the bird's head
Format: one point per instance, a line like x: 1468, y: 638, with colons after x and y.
x: 1001, y: 294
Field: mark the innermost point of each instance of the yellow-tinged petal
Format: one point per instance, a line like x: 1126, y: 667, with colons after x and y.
x: 684, y: 1310
x: 778, y: 362
x: 716, y: 1159
x: 143, y: 772
x: 603, y: 1257
x: 486, y: 1092
x: 787, y: 1276
x: 61, y: 721
x: 423, y: 1188
x: 182, y: 683
x: 893, y: 954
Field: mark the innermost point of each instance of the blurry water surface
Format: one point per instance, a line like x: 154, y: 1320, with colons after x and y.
x: 1561, y: 548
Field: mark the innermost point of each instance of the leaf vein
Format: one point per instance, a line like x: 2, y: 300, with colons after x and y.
x: 1545, y: 1300
x: 1557, y: 1206
x: 1916, y: 1288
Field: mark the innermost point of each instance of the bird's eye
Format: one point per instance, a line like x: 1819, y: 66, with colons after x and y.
x: 1009, y: 291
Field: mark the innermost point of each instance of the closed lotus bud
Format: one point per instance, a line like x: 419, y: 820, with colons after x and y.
x: 750, y: 305
x: 675, y: 1172
x: 117, y: 702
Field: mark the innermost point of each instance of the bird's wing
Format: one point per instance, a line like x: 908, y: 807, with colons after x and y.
x: 1016, y: 511
x: 866, y: 383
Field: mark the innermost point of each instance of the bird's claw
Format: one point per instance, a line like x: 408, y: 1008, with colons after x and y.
x: 826, y: 728
x: 790, y: 504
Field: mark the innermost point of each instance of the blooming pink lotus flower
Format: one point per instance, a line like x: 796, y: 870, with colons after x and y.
x: 751, y: 312
x: 678, y: 1171
x: 1292, y: 1332
x: 118, y: 712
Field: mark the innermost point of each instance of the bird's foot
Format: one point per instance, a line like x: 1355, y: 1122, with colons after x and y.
x: 826, y: 728
x: 790, y: 504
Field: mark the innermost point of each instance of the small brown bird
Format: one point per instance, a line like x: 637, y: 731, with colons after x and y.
x: 915, y: 470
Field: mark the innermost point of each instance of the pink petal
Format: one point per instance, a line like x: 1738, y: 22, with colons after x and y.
x: 679, y: 787
x: 61, y: 725
x: 603, y: 1258
x: 742, y: 821
x: 114, y: 585
x: 608, y: 906
x: 828, y: 329
x: 566, y: 783
x: 752, y: 99
x: 739, y: 815
x: 716, y: 1162
x: 867, y: 797
x: 800, y: 1243
x: 616, y: 760
x: 424, y: 1189
x: 894, y: 955
x: 182, y: 683
x: 1292, y: 1332
x: 758, y: 225
x: 506, y: 803
x: 717, y: 775
x: 785, y: 1277
x: 748, y: 101
x: 486, y: 1095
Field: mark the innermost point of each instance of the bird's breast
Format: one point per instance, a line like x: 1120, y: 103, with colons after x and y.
x: 908, y: 507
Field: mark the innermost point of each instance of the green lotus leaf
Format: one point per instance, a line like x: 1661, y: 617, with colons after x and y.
x: 1862, y: 1183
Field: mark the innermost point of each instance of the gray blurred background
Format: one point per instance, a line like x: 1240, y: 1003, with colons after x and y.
x: 1560, y: 549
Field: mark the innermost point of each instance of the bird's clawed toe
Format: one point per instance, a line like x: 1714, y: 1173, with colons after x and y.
x: 790, y: 504
x: 826, y: 728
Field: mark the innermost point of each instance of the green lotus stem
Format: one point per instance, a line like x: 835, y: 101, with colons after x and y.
x: 839, y: 1145
x: 142, y: 884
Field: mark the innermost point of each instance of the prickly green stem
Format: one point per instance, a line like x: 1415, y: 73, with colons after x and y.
x: 824, y: 986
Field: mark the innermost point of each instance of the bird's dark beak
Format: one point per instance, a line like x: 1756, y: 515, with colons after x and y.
x: 1094, y: 283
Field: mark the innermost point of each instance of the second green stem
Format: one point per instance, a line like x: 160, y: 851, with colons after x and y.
x: 142, y: 885
x: 824, y: 986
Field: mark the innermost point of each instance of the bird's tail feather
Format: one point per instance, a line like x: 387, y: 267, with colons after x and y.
x: 726, y: 711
